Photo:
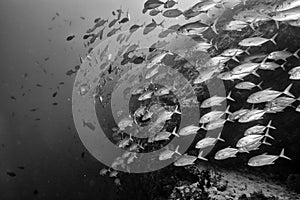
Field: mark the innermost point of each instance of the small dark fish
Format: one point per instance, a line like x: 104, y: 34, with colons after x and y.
x: 112, y: 23
x: 125, y: 19
x: 154, y: 12
x: 37, y: 119
x: 132, y: 48
x: 110, y: 69
x: 47, y: 58
x: 134, y: 28
x: 159, y: 44
x: 82, y: 154
x: 172, y: 13
x: 190, y: 13
x: 174, y: 27
x: 137, y: 59
x: 113, y: 13
x: 13, y: 97
x: 57, y: 14
x: 70, y: 72
x: 90, y: 49
x: 70, y: 23
x: 100, y: 23
x: 21, y: 167
x: 151, y: 4
x: 89, y: 125
x: 113, y: 31
x: 170, y: 3
x: 33, y: 109
x: 192, y: 25
x: 120, y: 35
x: 54, y: 94
x: 38, y: 85
x: 83, y: 18
x: 150, y: 27
x: 97, y: 19
x: 11, y: 174
x: 35, y: 192
x: 77, y: 67
x: 55, y: 104
x: 53, y: 18
x: 62, y: 83
x: 164, y: 34
x: 86, y: 36
x: 71, y: 37
x: 119, y: 13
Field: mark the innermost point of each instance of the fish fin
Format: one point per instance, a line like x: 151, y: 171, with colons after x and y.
x: 200, y: 156
x: 177, y: 111
x: 252, y: 25
x: 265, y: 142
x: 174, y: 132
x: 227, y: 110
x: 203, y: 127
x: 247, y: 51
x: 282, y: 65
x: 270, y: 126
x: 161, y: 23
x: 219, y: 137
x: 259, y: 85
x: 273, y: 39
x: 296, y: 54
x: 283, y: 156
x: 229, y: 97
x: 268, y: 135
x: 255, y: 73
x: 235, y: 59
x: 176, y: 150
x: 287, y: 91
x: 213, y: 26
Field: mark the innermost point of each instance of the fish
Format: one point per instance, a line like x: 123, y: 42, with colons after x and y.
x: 197, y: 25
x: 11, y: 174
x: 237, y: 25
x: 257, y: 129
x: 283, y: 55
x: 202, y: 46
x: 112, y: 23
x: 208, y: 141
x: 170, y: 3
x: 213, y: 115
x: 246, y: 68
x: 295, y: 23
x: 271, y: 65
x: 234, y: 52
x: 215, y: 124
x: 89, y: 125
x: 231, y: 77
x: 257, y: 41
x: 288, y: 15
x: 186, y: 159
x: 70, y: 37
x: 147, y: 115
x: 203, y: 6
x: 166, y: 115
x: 253, y: 147
x: 151, y: 26
x: 247, y: 85
x: 103, y: 171
x: 225, y: 153
x: 151, y: 4
x: 100, y: 23
x: 238, y: 114
x: 157, y: 59
x: 215, y: 101
x: 189, y: 130
x: 298, y: 108
x: 97, y: 19
x: 293, y: 70
x: 124, y: 142
x: 125, y: 19
x: 172, y: 13
x: 163, y: 91
x: 135, y: 27
x: 154, y: 12
x: 113, y: 31
x: 265, y: 159
x: 140, y: 111
x: 252, y: 115
x: 268, y: 95
x: 167, y: 154
x: 287, y: 5
x: 295, y: 75
x: 282, y: 101
x: 152, y: 72
x: 145, y: 96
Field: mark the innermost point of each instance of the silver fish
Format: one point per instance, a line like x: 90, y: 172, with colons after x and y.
x: 172, y: 13
x: 167, y: 154
x: 282, y: 55
x: 247, y: 85
x: 287, y: 5
x: 226, y: 153
x: 188, y: 130
x: 238, y: 114
x: 208, y: 141
x: 265, y: 159
x: 185, y: 160
x: 215, y: 100
x: 125, y: 122
x: 250, y: 139
x: 252, y: 115
x: 145, y: 96
x: 257, y: 41
x: 257, y: 129
x: 213, y: 115
x: 268, y: 95
x: 164, y: 135
x: 246, y: 68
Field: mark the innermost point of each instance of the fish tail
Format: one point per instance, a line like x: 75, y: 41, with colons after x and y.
x: 161, y: 23
x: 227, y: 110
x: 282, y: 65
x: 273, y: 39
x: 270, y: 126
x: 176, y: 150
x: 268, y: 135
x: 201, y: 157
x: 177, y: 111
x: 282, y: 155
x: 213, y: 26
x: 235, y: 59
x: 247, y: 51
x: 229, y: 97
x: 287, y: 91
x: 296, y: 54
x: 174, y: 132
x: 259, y: 85
x: 265, y: 142
x: 203, y: 127
x: 219, y: 137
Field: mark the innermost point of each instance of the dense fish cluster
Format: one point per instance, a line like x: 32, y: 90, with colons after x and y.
x: 160, y: 106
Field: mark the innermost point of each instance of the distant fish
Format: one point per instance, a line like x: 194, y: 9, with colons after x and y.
x: 97, y: 19
x: 83, y: 18
x: 215, y: 100
x: 265, y: 159
x: 167, y: 154
x: 100, y: 23
x: 185, y: 159
x: 71, y: 37
x: 113, y: 31
x: 135, y: 27
x: 89, y: 125
x: 170, y: 3
x: 208, y: 141
x: 154, y: 12
x: 257, y: 41
x: 151, y: 4
x: 250, y: 139
x: 112, y: 23
x: 11, y: 174
x: 172, y: 13
x: 125, y: 19
x: 213, y: 116
x: 247, y: 85
x: 151, y: 26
